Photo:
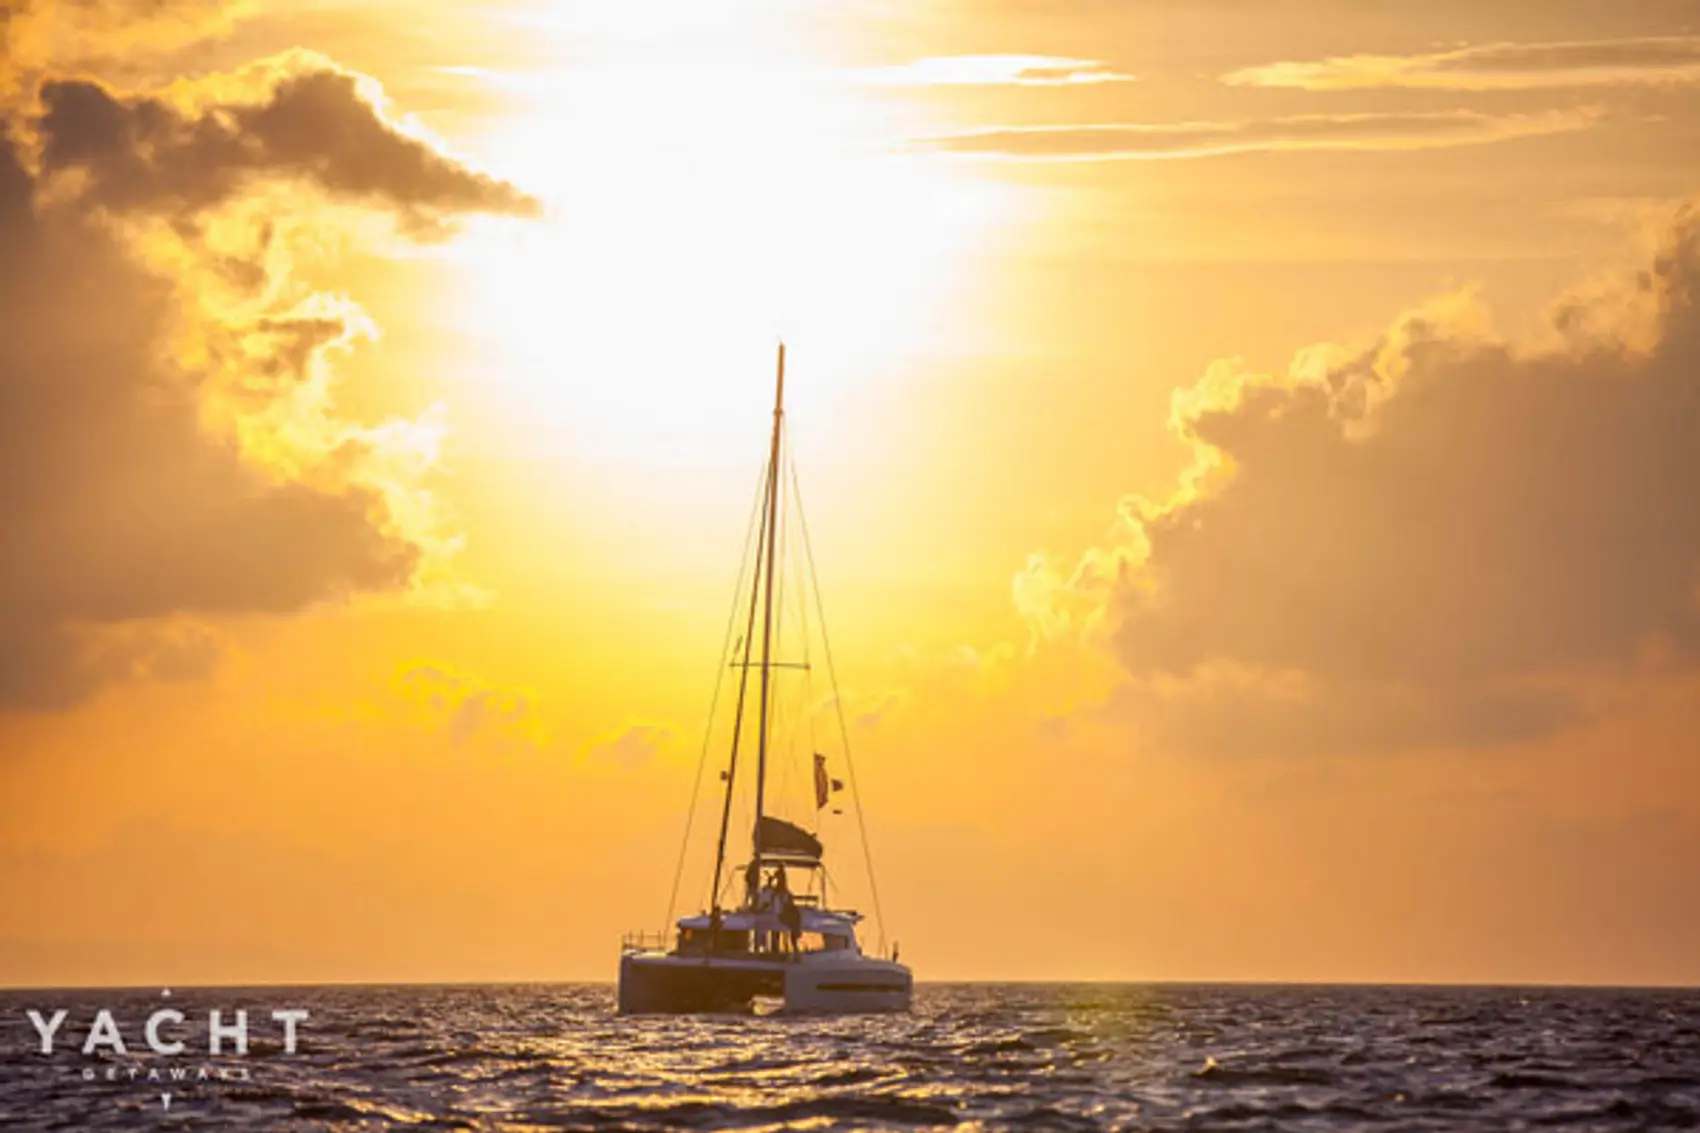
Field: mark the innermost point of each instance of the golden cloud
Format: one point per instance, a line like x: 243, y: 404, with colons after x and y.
x: 1446, y: 538
x: 470, y: 706
x: 170, y: 442
x: 1494, y: 66
x: 1136, y: 141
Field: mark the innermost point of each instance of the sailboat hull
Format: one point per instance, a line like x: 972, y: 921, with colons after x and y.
x: 655, y: 983
x: 840, y: 987
x: 661, y: 984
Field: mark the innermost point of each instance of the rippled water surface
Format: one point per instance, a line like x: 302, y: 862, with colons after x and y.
x: 1041, y: 1057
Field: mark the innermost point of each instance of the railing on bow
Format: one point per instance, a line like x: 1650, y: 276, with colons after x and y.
x: 644, y: 942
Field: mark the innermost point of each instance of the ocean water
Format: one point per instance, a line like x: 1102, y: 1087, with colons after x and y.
x: 970, y: 1056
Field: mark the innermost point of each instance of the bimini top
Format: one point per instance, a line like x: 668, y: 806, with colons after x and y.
x: 778, y: 840
x: 823, y: 921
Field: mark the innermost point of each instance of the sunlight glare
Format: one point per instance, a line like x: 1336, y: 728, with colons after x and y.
x: 707, y: 196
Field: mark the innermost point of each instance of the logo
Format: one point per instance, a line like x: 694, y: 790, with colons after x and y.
x: 165, y: 1047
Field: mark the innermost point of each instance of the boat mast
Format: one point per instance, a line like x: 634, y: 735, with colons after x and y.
x: 763, y: 577
x: 773, y: 484
x: 731, y: 773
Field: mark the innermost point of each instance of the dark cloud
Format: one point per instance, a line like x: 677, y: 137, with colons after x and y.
x: 118, y: 506
x: 1666, y: 59
x: 136, y: 498
x: 47, y: 667
x: 142, y: 153
x: 1138, y: 141
x: 1438, y: 540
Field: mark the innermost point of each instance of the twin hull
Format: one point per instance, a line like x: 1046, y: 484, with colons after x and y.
x: 661, y: 983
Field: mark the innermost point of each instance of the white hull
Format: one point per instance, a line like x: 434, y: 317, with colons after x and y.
x: 840, y: 987
x: 818, y: 983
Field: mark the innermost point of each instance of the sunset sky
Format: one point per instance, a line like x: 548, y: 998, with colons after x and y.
x: 1252, y: 451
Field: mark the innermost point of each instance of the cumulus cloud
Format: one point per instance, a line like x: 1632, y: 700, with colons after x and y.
x: 471, y: 706
x: 633, y: 746
x: 1494, y: 66
x: 1447, y: 538
x: 40, y: 35
x: 993, y: 70
x: 53, y: 668
x: 321, y: 125
x: 1146, y: 141
x: 170, y: 450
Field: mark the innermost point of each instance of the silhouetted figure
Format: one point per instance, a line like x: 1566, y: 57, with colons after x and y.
x: 752, y: 882
x: 792, y: 918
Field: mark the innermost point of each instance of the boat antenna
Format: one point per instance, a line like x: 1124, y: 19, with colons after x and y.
x: 773, y: 486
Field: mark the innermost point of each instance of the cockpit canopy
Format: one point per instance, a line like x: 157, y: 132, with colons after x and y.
x: 747, y: 930
x: 778, y: 840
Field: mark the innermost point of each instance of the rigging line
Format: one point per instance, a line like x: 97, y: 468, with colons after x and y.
x: 770, y: 475
x: 803, y: 617
x: 776, y: 710
x: 714, y: 703
x: 838, y: 704
x: 774, y: 487
x: 779, y: 723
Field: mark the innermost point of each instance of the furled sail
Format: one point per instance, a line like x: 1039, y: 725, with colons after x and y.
x: 776, y: 836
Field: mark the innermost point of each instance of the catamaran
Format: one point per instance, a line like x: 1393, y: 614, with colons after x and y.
x: 769, y: 932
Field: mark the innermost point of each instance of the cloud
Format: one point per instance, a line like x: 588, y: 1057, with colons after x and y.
x: 1447, y: 538
x: 1230, y: 709
x: 471, y: 706
x: 53, y: 667
x: 41, y: 35
x: 1140, y: 141
x: 993, y: 70
x: 879, y: 710
x: 316, y: 123
x: 633, y: 746
x: 170, y: 448
x: 1494, y: 66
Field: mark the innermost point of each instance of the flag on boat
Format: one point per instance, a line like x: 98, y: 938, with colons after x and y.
x: 824, y: 784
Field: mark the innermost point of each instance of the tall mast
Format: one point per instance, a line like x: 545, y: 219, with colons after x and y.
x: 762, y: 579
x: 738, y: 715
x: 773, y: 483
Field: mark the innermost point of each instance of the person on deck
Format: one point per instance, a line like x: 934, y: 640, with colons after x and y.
x: 792, y: 918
